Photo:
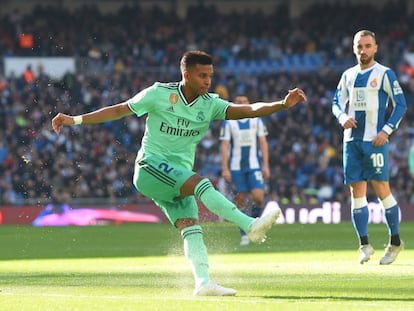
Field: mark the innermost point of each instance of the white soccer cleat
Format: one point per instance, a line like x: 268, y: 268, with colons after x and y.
x: 390, y: 254
x: 262, y: 224
x: 244, y: 240
x: 365, y: 252
x: 213, y: 289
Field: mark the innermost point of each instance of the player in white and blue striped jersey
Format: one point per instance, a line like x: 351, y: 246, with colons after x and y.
x: 360, y: 105
x: 245, y: 161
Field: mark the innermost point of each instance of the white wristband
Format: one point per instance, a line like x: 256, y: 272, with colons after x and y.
x: 387, y: 129
x: 343, y: 118
x: 77, y: 120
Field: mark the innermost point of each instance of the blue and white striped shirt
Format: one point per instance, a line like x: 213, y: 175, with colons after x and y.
x: 244, y: 142
x: 364, y: 95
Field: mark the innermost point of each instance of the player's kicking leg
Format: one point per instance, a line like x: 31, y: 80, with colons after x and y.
x: 217, y: 203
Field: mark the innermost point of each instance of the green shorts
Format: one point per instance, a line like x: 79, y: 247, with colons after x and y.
x: 161, y: 180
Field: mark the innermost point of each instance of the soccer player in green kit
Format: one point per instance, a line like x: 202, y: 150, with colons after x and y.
x: 178, y: 116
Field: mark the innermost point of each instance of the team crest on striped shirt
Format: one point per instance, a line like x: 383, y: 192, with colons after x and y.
x: 373, y: 82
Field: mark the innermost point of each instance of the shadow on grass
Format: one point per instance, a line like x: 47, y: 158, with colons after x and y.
x: 140, y: 240
x: 159, y: 281
x: 68, y: 279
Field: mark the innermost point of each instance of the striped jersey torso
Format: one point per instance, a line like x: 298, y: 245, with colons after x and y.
x: 244, y: 142
x: 364, y: 95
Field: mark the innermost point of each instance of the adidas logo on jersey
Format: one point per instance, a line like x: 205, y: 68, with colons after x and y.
x: 170, y: 109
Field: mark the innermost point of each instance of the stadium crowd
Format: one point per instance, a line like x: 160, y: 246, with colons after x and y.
x: 125, y: 51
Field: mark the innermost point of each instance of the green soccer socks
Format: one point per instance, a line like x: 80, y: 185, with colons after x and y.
x: 196, y: 253
x: 220, y: 205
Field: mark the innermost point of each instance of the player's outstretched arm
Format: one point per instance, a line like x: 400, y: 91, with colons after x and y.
x: 260, y: 109
x: 106, y: 114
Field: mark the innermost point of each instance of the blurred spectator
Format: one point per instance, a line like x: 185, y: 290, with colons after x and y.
x: 28, y: 75
x: 411, y: 159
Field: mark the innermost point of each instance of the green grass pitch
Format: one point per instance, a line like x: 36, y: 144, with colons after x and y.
x: 142, y: 267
